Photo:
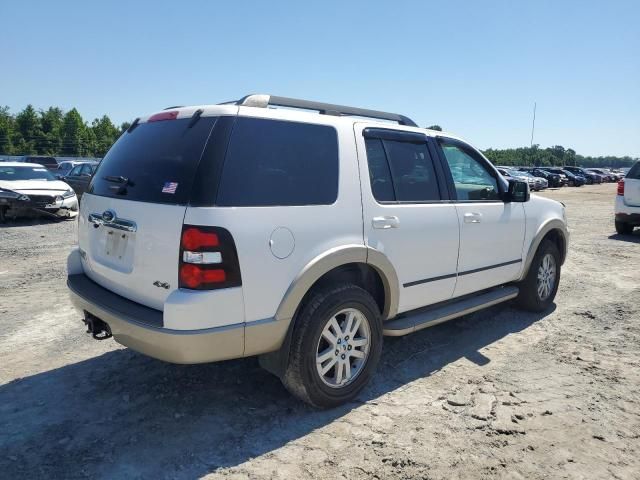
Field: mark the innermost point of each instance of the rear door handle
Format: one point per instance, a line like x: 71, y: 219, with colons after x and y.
x: 472, y: 217
x: 385, y: 222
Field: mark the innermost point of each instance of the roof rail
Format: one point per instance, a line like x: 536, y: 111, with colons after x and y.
x: 263, y: 101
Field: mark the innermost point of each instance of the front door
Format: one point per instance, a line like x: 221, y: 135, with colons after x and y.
x: 491, y: 231
x: 407, y: 213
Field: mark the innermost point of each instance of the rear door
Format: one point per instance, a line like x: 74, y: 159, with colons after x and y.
x: 83, y: 179
x: 491, y: 231
x: 131, y: 216
x: 632, y: 186
x: 407, y: 213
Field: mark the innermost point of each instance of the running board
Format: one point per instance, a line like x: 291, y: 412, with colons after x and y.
x: 412, y: 322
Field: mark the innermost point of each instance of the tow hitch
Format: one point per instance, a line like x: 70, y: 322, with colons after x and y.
x: 96, y: 327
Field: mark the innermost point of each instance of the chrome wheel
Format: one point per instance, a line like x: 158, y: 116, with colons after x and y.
x: 546, y: 276
x: 343, y: 348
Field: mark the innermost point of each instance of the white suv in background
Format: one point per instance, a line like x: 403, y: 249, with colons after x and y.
x: 302, y: 235
x: 627, y: 208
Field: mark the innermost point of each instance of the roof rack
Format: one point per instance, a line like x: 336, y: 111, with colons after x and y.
x: 263, y: 101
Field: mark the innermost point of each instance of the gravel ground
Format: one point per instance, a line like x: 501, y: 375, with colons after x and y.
x: 497, y: 394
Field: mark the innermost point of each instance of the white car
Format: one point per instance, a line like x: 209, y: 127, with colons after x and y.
x: 31, y: 189
x: 627, y: 208
x: 303, y: 235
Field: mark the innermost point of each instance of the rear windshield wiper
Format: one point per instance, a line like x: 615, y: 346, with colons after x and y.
x: 118, y: 179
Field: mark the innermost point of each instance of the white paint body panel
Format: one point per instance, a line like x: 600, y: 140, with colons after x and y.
x: 632, y: 194
x: 495, y: 237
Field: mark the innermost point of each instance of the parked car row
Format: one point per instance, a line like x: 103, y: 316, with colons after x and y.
x: 560, y: 176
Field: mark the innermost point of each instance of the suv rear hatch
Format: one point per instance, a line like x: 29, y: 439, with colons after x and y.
x: 131, y: 216
x: 632, y: 186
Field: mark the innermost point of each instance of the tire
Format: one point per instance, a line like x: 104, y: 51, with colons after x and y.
x: 302, y: 376
x: 624, y: 228
x: 532, y: 296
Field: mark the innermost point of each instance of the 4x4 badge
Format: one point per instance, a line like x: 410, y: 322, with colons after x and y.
x: 160, y: 284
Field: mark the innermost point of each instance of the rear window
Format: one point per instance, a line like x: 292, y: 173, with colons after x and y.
x: 155, y: 162
x: 634, y: 173
x: 273, y: 162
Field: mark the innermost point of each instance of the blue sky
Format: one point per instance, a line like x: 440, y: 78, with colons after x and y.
x: 473, y: 67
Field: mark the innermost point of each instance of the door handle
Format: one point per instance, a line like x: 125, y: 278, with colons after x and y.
x: 385, y: 222
x: 472, y: 217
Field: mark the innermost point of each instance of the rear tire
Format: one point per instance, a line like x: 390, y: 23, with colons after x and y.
x: 335, y: 325
x: 624, y: 228
x: 539, y: 288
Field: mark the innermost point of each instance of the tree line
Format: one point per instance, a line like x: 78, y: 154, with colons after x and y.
x: 55, y: 132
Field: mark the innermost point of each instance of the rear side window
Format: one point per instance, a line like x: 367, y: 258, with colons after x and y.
x: 634, y: 173
x: 155, y: 162
x: 401, y: 171
x: 273, y: 162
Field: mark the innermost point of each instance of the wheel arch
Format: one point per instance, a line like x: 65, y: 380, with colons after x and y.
x: 554, y: 230
x: 364, y: 266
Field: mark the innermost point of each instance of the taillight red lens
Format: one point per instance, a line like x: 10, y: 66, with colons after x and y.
x: 163, y: 116
x: 193, y: 276
x: 621, y: 187
x: 195, y: 239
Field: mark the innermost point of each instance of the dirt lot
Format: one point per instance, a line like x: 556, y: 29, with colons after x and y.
x: 500, y: 393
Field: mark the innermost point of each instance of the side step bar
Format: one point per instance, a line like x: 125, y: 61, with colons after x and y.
x: 423, y: 318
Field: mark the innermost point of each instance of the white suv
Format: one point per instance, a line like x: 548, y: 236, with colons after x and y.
x: 627, y: 207
x: 303, y: 235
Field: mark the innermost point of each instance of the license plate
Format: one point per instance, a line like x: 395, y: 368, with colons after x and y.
x: 116, y: 244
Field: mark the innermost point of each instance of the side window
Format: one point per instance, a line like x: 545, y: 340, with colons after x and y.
x: 471, y: 178
x: 379, y: 173
x: 75, y: 170
x: 401, y: 171
x: 86, y: 169
x: 273, y: 162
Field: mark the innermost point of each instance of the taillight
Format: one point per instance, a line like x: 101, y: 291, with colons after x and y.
x: 621, y: 187
x: 208, y: 259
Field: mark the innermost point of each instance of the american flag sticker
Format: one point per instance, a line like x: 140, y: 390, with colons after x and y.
x: 170, y: 187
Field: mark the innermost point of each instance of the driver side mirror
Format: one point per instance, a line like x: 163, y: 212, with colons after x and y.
x: 518, y: 191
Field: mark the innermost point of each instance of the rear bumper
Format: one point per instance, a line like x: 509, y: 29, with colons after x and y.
x: 141, y: 328
x: 626, y: 213
x: 630, y: 218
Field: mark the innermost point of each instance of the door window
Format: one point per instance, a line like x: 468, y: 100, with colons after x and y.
x: 472, y: 179
x: 401, y: 171
x: 86, y: 170
x: 75, y: 170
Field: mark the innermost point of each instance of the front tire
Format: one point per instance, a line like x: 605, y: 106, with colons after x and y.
x: 539, y: 288
x: 335, y: 347
x: 624, y: 228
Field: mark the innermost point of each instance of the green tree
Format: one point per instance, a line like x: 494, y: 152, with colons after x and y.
x: 51, y: 122
x: 106, y: 133
x: 7, y: 126
x: 29, y: 128
x: 73, y: 134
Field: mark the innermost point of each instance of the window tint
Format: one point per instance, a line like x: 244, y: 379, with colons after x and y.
x: 273, y: 162
x: 634, y: 173
x: 76, y: 170
x: 379, y: 174
x: 401, y: 171
x: 86, y: 169
x: 471, y: 178
x: 159, y: 160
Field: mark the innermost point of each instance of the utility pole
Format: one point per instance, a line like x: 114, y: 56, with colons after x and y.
x: 533, y: 126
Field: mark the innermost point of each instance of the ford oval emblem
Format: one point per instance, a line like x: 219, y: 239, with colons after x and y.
x: 108, y: 215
